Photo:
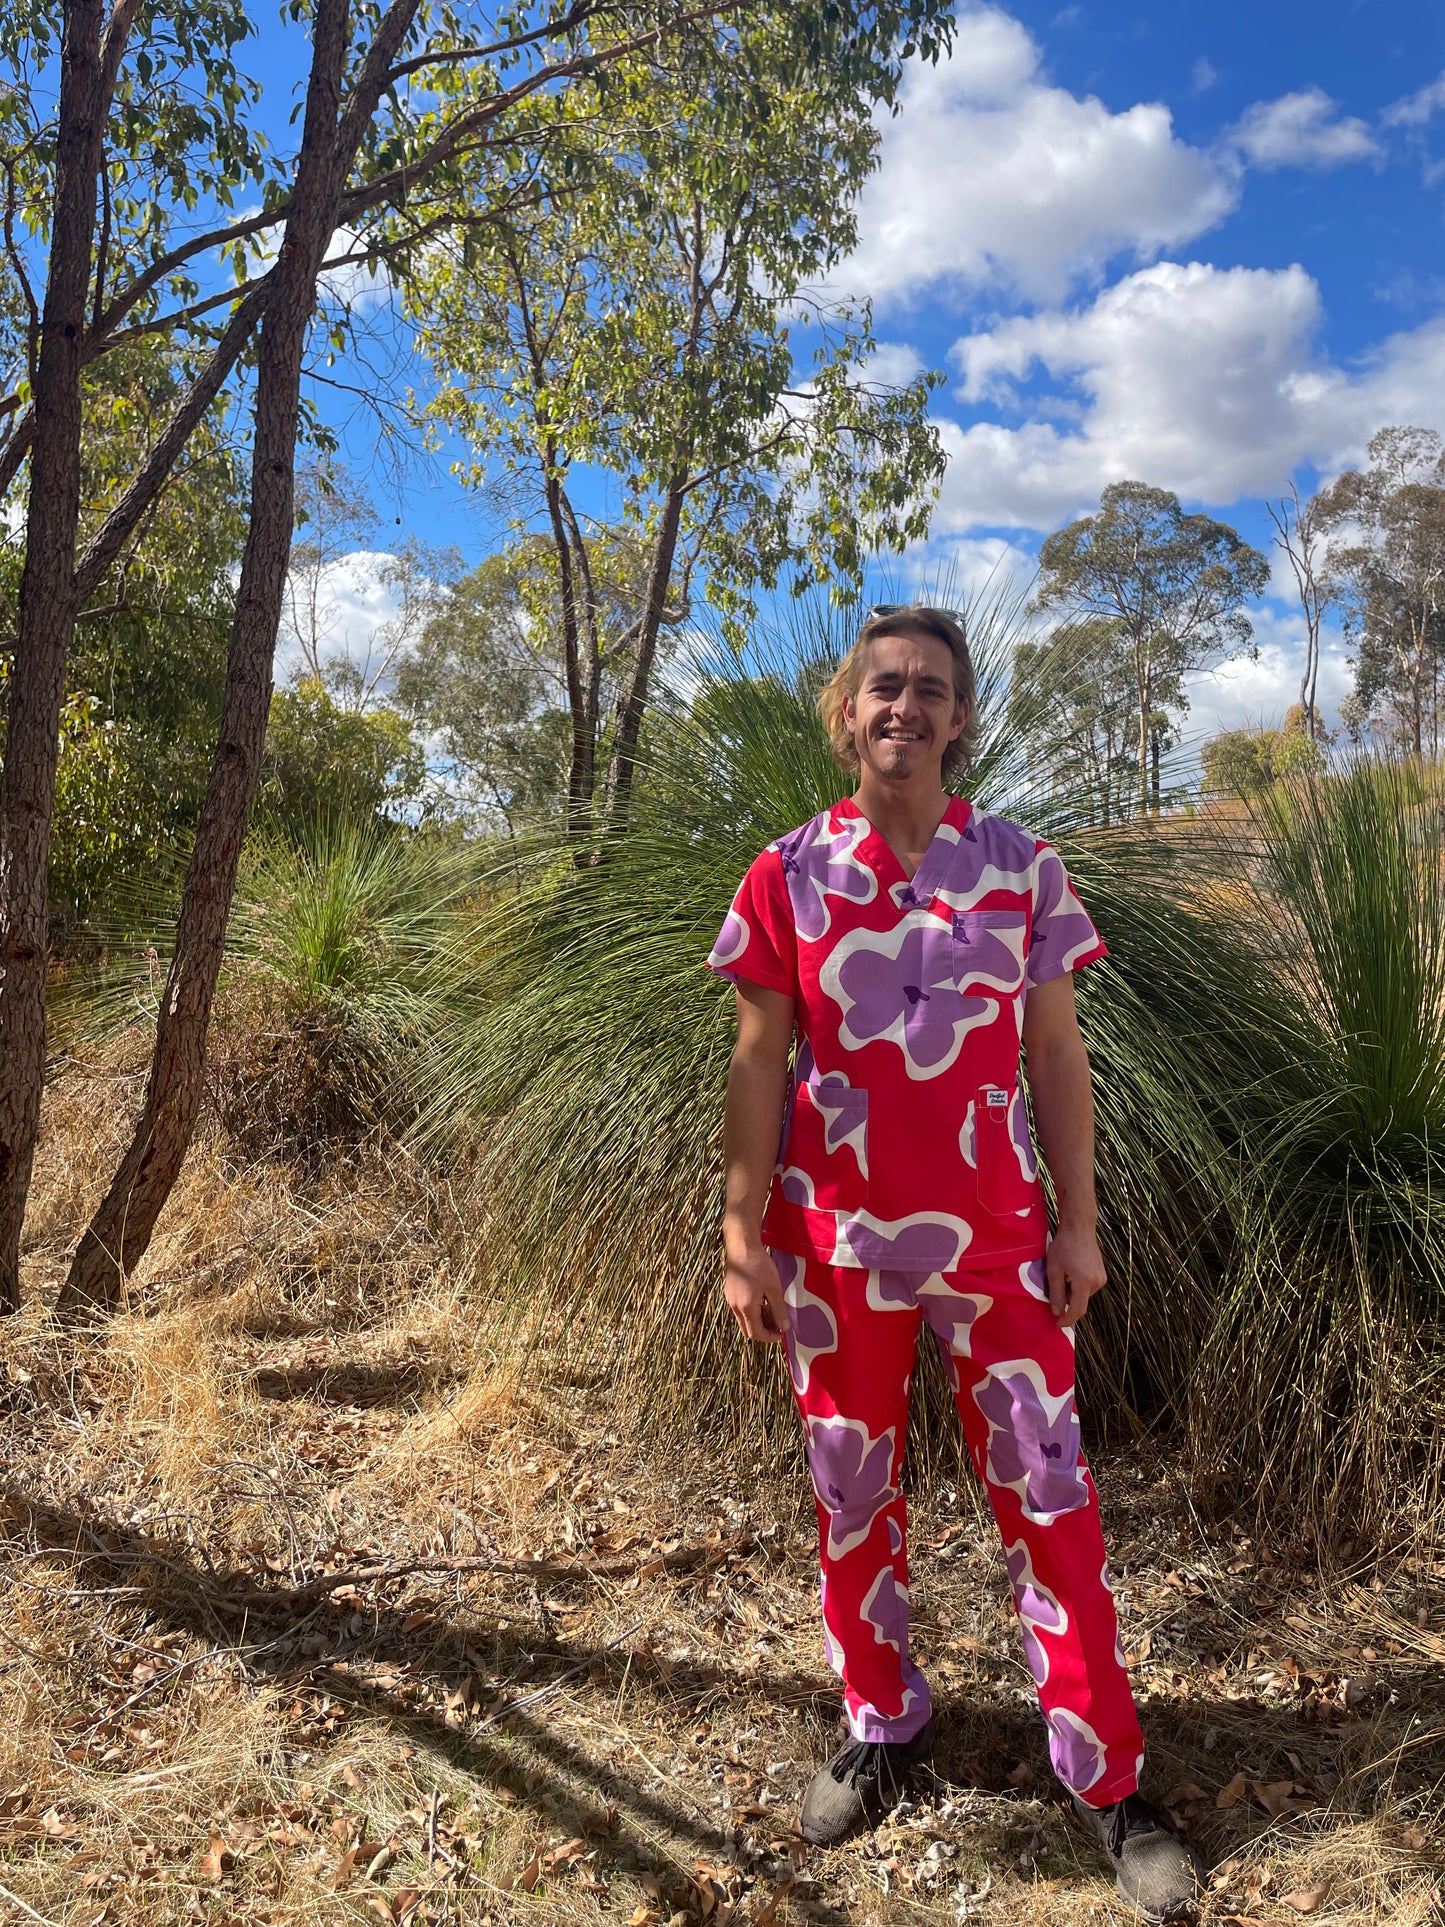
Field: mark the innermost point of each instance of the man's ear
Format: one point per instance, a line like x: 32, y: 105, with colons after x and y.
x: 960, y: 717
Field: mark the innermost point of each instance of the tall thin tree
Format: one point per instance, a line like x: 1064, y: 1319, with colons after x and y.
x: 338, y: 127
x: 1299, y: 538
x: 90, y: 59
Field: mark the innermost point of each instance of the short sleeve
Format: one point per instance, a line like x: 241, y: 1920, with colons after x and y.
x: 758, y: 941
x: 1061, y: 935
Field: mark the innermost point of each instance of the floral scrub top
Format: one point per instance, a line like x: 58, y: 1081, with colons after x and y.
x: 905, y: 1143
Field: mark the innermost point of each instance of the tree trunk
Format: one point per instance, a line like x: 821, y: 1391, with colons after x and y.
x: 1154, y: 768
x: 582, y: 768
x: 1310, y: 679
x: 633, y: 705
x: 589, y: 642
x: 121, y: 1230
x: 1145, y: 706
x: 46, y: 624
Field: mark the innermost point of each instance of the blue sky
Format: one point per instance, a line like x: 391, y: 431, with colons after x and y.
x: 1198, y: 246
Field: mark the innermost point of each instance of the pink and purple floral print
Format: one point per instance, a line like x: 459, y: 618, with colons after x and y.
x: 1014, y: 1390
x: 909, y: 997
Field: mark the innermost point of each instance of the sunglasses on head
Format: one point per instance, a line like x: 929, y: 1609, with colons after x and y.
x: 913, y: 609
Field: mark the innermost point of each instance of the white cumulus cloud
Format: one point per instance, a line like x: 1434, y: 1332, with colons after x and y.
x: 1255, y: 693
x: 894, y: 363
x: 1303, y: 129
x: 346, y: 608
x: 1205, y: 380
x: 992, y: 176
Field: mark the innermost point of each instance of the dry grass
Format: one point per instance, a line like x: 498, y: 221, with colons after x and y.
x: 304, y: 1380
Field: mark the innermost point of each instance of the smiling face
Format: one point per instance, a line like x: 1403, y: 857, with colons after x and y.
x: 906, y: 712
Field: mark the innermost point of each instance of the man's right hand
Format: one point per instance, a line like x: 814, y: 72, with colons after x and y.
x: 755, y: 1297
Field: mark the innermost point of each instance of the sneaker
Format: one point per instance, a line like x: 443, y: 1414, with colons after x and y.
x: 860, y: 1783
x: 1155, y: 1872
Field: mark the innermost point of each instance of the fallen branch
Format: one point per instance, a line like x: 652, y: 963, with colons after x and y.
x: 700, y: 1555
x: 219, y: 1596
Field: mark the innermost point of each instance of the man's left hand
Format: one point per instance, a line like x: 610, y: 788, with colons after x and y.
x: 1074, y: 1266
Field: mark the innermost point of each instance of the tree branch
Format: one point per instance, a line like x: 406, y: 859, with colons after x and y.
x: 552, y: 30
x: 115, y: 530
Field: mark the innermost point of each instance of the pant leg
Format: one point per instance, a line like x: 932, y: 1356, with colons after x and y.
x: 850, y: 1355
x: 1012, y: 1369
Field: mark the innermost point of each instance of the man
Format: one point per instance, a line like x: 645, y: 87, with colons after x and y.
x: 913, y: 942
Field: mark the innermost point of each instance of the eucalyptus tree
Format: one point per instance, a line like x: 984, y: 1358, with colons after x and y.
x: 1386, y: 557
x: 1172, y: 585
x: 103, y: 142
x: 1299, y: 535
x: 398, y: 97
x: 652, y: 319
x: 488, y: 678
x: 1072, y: 697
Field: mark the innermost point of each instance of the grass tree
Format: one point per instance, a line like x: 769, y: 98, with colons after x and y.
x: 590, y: 1069
x: 1319, y: 1370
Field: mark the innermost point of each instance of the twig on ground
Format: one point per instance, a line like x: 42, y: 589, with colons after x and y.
x: 672, y: 1785
x: 530, y: 1699
x: 25, y: 1908
x: 702, y: 1554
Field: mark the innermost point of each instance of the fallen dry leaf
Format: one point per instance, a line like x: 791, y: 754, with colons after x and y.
x: 1231, y: 1795
x: 1183, y: 1800
x: 1307, y: 1900
x: 216, y: 1861
x: 1275, y: 1796
x: 769, y: 1914
x: 361, y: 1855
x: 1415, y: 1838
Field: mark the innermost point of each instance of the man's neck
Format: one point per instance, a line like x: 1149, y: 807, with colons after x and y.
x: 905, y: 815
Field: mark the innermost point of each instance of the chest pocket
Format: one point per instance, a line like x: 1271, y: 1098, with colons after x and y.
x: 988, y: 951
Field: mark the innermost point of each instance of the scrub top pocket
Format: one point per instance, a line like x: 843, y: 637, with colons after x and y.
x: 1007, y: 1169
x: 828, y: 1138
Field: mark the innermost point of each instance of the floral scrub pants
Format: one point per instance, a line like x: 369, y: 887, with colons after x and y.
x: 850, y: 1354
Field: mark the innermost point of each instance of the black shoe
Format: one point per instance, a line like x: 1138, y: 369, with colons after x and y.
x: 1155, y: 1872
x: 860, y: 1783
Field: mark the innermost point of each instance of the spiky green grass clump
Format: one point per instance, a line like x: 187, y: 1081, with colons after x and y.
x: 1320, y: 1370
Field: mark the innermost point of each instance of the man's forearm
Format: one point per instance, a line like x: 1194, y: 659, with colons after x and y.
x: 752, y: 1124
x: 1064, y: 1118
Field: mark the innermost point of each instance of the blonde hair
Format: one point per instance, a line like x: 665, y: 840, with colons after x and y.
x: 843, y: 685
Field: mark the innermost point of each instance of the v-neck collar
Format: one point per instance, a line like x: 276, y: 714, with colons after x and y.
x: 876, y: 851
